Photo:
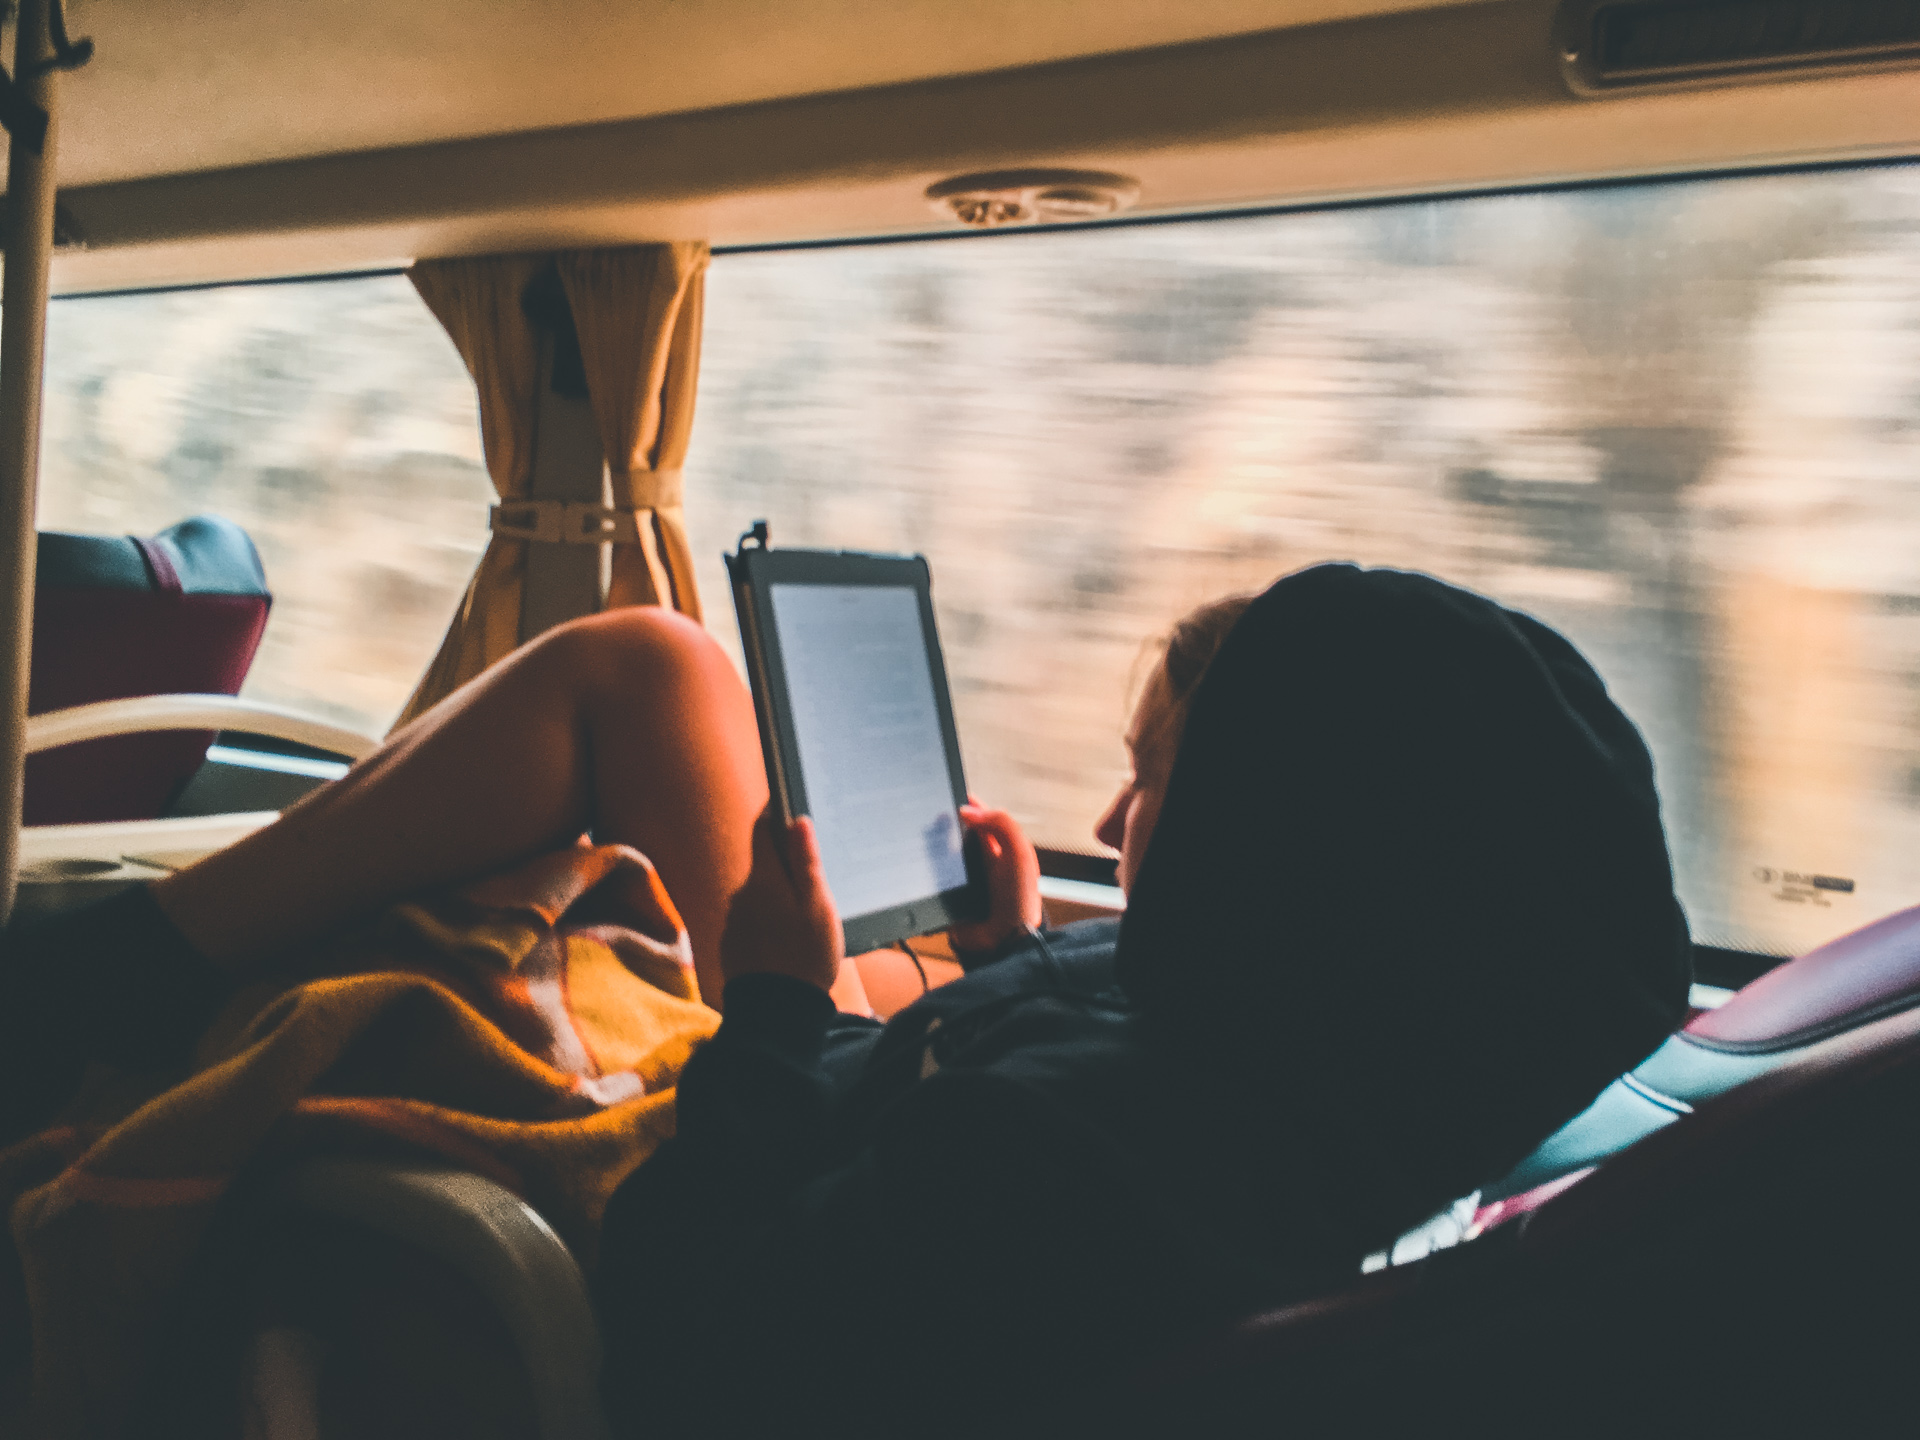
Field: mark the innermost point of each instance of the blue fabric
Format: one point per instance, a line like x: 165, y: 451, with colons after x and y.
x: 211, y: 555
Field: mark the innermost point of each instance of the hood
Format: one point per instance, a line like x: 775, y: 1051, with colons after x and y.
x: 1408, y: 894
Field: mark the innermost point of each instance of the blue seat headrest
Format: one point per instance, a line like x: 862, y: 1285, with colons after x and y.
x: 210, y: 555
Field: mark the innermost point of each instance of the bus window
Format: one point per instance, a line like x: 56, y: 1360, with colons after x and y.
x: 333, y: 419
x: 1677, y: 420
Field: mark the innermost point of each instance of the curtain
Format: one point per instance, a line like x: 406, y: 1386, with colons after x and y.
x: 478, y: 301
x: 637, y: 311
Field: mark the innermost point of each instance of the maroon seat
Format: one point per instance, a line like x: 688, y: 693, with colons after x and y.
x: 1864, y: 975
x: 118, y: 616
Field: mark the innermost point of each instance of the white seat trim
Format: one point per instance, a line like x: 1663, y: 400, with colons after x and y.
x: 178, y: 838
x: 497, y: 1241
x: 143, y: 713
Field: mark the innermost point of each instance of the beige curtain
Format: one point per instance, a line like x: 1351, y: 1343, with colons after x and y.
x: 637, y: 311
x: 478, y: 301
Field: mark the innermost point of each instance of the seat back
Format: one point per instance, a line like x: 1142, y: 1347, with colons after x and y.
x: 118, y: 616
x: 1794, y: 1013
x: 1753, y: 1268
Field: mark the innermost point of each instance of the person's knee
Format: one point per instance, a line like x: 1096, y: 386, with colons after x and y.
x: 645, y: 646
x: 650, y: 628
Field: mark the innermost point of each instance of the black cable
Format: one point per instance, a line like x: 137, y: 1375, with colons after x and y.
x: 20, y: 116
x: 913, y: 955
x: 67, y: 54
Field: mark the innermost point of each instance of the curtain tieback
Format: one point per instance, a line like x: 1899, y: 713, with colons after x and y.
x: 566, y: 522
x: 662, y: 489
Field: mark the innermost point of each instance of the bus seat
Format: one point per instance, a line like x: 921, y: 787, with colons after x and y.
x: 354, y: 1296
x: 119, y: 616
x: 1792, y: 1013
x: 1754, y: 1269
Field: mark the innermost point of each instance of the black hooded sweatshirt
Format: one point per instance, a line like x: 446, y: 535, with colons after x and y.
x: 1407, y: 908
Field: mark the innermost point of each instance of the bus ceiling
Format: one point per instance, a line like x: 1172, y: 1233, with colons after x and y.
x: 332, y: 136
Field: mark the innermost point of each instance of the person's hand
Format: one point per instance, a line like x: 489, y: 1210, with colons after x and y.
x: 783, y: 920
x: 1013, y: 879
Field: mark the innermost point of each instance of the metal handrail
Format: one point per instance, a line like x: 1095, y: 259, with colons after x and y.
x: 23, y: 333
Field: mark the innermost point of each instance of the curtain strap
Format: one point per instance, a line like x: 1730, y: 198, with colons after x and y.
x: 566, y: 522
x: 577, y: 522
x: 662, y: 489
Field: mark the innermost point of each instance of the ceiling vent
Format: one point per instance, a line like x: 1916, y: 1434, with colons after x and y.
x: 1031, y: 197
x: 1608, y: 46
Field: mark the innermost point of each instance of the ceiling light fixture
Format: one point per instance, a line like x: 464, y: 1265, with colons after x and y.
x: 994, y: 198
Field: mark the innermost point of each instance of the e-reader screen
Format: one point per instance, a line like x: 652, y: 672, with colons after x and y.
x: 870, y: 742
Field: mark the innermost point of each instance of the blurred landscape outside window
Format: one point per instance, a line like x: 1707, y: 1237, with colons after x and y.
x: 1680, y: 421
x: 331, y: 418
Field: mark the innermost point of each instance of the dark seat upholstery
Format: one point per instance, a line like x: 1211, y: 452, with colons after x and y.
x: 118, y: 616
x: 1754, y: 1269
x: 1746, y: 1260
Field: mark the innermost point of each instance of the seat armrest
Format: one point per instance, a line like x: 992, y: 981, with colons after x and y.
x: 495, y: 1240
x: 143, y: 713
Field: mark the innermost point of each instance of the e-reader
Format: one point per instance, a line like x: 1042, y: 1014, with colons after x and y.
x: 856, y: 726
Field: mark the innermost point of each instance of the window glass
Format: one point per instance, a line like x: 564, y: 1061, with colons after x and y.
x: 1679, y: 421
x: 333, y: 419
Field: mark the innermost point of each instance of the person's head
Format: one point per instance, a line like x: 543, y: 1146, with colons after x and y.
x: 1159, y: 717
x: 1407, y: 893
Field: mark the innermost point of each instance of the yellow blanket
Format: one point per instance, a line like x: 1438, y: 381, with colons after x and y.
x: 529, y: 1027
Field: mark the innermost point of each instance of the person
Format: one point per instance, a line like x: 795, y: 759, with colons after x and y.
x: 1399, y: 904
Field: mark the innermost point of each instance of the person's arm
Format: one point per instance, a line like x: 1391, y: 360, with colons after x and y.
x: 752, y: 1099
x: 751, y: 1106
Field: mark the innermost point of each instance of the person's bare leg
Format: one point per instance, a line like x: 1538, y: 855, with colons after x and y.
x: 632, y: 724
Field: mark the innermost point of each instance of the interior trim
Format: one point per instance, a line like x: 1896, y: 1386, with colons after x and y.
x: 1459, y: 98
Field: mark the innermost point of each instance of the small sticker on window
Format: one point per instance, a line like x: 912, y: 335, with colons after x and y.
x: 1800, y: 888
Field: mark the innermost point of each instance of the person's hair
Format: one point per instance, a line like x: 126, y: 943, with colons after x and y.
x: 1194, y: 640
x: 1186, y: 651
